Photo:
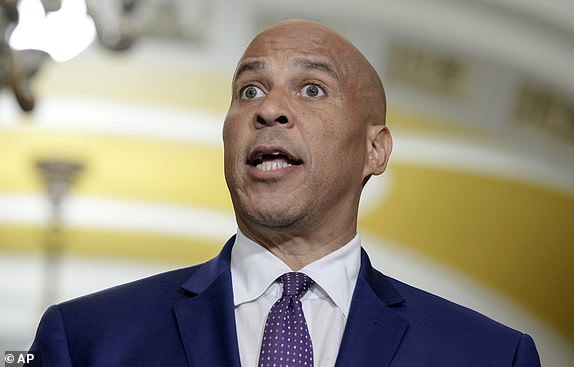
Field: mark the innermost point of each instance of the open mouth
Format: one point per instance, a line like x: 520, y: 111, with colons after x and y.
x: 272, y: 160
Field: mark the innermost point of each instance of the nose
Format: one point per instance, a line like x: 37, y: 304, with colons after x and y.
x: 273, y: 111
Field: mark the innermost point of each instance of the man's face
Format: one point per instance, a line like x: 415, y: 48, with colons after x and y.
x: 295, y: 140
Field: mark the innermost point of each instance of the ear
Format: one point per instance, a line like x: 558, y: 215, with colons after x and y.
x: 379, y: 146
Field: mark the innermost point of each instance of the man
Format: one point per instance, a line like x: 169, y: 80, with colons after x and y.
x: 304, y: 132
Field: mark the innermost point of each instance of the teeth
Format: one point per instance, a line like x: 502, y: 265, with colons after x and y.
x: 272, y: 165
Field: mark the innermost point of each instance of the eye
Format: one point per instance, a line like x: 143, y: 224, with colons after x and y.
x: 251, y: 92
x: 312, y: 90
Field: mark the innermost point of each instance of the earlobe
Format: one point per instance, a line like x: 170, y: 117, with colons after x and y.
x: 380, y: 144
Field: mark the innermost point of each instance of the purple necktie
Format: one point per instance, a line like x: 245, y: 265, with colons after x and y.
x: 286, y: 339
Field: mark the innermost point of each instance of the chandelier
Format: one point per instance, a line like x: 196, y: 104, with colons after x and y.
x: 33, y: 31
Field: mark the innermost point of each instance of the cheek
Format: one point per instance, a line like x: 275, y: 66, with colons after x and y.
x: 336, y: 134
x: 338, y: 147
x: 231, y: 145
x: 238, y: 123
x: 232, y: 131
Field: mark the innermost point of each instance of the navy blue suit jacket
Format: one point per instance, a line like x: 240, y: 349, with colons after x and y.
x: 186, y: 318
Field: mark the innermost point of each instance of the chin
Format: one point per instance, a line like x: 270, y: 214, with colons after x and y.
x: 272, y: 218
x: 280, y: 222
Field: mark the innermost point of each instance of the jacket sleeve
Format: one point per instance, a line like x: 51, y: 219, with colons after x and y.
x: 526, y: 353
x: 51, y: 343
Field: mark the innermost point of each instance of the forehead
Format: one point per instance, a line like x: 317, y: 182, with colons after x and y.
x: 299, y: 47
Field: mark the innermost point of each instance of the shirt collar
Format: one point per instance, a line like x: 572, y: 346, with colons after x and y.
x: 254, y: 269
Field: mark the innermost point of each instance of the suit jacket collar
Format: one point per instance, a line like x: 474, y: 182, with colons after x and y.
x: 374, y: 331
x: 206, y: 320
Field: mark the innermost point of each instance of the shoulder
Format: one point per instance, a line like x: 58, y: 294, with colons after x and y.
x: 140, y: 296
x: 437, y: 324
x: 427, y: 312
x: 429, y: 309
x: 98, y: 328
x: 150, y: 299
x: 445, y: 333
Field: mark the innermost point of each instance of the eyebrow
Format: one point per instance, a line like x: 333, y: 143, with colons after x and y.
x: 258, y: 65
x: 249, y: 66
x: 318, y: 65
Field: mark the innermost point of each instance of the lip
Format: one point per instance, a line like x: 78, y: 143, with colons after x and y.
x: 259, y: 152
x: 264, y: 153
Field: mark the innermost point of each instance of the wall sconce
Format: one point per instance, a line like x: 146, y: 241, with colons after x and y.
x: 58, y: 177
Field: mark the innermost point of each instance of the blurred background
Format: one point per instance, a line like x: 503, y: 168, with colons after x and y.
x: 111, y: 154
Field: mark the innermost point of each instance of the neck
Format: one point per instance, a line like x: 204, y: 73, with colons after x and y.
x: 298, y: 249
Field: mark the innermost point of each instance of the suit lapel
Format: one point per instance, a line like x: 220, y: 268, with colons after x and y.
x: 206, y: 320
x: 374, y: 331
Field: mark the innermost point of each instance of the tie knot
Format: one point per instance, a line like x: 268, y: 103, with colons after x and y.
x: 295, y: 284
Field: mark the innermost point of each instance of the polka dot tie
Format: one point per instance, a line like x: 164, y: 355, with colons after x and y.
x: 286, y: 339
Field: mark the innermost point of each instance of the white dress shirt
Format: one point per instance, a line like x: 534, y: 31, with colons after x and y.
x: 254, y: 273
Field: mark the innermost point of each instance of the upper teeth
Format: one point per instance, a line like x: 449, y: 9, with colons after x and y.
x: 271, y: 165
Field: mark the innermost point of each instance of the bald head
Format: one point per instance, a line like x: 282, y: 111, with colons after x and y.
x: 353, y: 70
x: 304, y: 132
